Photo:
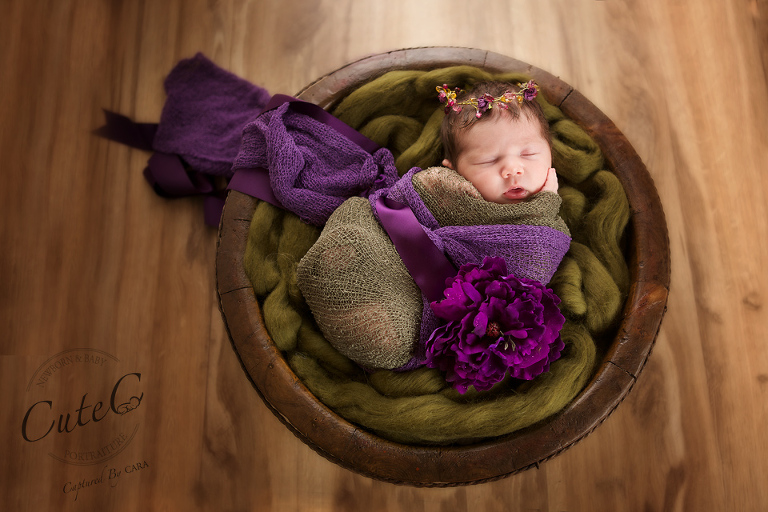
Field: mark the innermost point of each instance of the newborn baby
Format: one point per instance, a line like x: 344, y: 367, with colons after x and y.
x: 495, y: 195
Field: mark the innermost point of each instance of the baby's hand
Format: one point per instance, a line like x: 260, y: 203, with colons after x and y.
x: 550, y: 185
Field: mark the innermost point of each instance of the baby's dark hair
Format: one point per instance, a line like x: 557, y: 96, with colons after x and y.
x: 455, y: 123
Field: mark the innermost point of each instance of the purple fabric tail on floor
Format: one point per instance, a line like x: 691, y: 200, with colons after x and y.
x: 199, y: 133
x: 204, y: 115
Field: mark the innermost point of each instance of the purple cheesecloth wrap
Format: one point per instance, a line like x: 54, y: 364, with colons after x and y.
x: 313, y: 168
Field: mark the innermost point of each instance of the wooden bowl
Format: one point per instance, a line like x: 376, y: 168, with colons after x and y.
x: 354, y: 448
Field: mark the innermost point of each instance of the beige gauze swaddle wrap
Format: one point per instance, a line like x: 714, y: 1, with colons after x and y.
x: 359, y: 291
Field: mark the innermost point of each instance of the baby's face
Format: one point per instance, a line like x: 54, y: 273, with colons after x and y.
x: 506, y: 160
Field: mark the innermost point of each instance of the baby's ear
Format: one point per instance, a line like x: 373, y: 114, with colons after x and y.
x: 447, y: 163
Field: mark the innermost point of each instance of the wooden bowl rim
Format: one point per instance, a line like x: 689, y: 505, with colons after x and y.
x: 363, y: 452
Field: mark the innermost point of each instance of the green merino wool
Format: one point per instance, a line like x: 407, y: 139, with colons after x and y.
x: 399, y: 110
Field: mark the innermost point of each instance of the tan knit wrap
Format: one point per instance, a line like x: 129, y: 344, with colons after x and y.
x: 454, y: 201
x: 360, y: 293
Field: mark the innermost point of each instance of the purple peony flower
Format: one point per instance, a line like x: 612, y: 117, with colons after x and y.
x: 496, y: 324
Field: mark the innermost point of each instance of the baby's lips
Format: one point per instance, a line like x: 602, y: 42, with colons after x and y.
x: 516, y: 193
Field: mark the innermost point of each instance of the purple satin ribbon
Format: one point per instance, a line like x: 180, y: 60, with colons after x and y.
x: 255, y: 183
x: 167, y: 175
x: 165, y: 172
x: 428, y: 265
x: 124, y: 130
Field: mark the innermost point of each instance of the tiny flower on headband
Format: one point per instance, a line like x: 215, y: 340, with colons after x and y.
x: 447, y: 96
x: 528, y: 91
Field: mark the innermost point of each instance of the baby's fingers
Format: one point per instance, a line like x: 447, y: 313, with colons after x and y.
x: 550, y: 185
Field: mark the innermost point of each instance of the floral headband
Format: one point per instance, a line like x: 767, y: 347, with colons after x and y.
x: 528, y: 91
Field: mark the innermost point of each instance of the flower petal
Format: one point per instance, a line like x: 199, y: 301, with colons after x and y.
x: 480, y: 323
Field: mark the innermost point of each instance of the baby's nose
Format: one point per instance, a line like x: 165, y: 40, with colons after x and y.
x: 512, y: 170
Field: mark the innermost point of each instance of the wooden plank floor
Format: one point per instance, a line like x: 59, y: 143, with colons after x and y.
x: 102, y: 279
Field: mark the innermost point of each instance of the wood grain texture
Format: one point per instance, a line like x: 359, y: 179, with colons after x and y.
x: 92, y: 259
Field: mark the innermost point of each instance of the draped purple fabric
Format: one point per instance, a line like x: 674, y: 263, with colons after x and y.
x: 313, y: 167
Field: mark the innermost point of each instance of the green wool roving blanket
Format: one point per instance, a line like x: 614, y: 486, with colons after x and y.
x: 400, y: 111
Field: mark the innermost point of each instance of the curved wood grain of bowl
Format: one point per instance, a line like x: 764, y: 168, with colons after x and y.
x: 356, y: 449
